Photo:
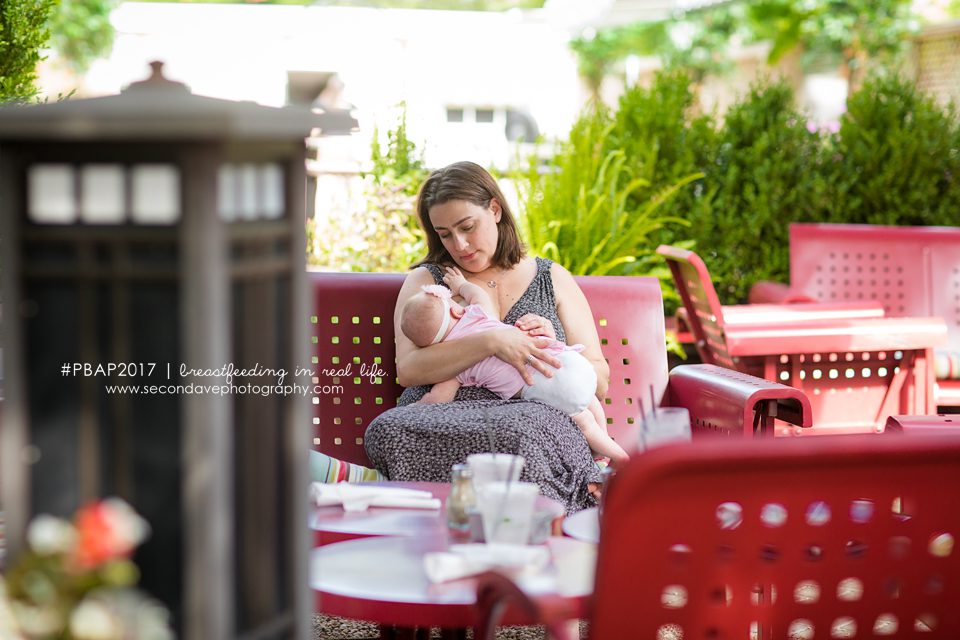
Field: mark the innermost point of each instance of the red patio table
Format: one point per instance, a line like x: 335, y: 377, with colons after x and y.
x: 332, y: 524
x: 382, y: 580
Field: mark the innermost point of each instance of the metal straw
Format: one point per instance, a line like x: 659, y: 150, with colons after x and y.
x: 653, y: 402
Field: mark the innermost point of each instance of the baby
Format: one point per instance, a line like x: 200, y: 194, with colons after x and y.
x: 432, y: 316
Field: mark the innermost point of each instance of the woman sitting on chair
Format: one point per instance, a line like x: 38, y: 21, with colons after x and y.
x: 469, y: 226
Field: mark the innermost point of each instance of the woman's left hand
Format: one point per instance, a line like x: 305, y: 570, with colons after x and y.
x: 534, y: 326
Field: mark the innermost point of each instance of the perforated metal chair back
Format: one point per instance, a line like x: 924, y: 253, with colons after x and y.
x: 834, y: 537
x: 912, y: 271
x: 353, y: 340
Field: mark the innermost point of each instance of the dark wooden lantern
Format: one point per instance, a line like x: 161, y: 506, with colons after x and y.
x: 152, y: 230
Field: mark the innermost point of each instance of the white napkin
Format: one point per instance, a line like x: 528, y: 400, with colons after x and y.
x: 470, y: 559
x: 355, y: 497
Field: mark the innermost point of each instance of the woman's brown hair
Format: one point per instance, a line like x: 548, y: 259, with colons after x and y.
x: 469, y: 182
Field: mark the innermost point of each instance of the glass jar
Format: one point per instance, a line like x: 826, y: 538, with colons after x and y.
x: 460, y: 502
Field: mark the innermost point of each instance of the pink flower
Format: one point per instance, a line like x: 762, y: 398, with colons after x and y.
x: 107, y: 530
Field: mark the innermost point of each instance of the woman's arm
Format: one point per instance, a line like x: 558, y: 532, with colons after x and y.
x: 577, y: 320
x: 439, y: 362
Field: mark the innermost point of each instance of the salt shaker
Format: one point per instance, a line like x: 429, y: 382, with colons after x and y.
x: 460, y: 502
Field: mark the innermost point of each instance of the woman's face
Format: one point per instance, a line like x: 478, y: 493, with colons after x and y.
x: 468, y: 232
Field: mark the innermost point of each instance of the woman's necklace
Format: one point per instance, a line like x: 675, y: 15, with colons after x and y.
x: 492, y: 283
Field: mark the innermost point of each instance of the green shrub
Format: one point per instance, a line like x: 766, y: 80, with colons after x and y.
x: 898, y: 158
x: 81, y: 31
x: 767, y: 173
x: 23, y: 32
x: 664, y: 141
x: 583, y: 212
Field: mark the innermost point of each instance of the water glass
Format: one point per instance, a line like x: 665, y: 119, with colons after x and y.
x: 490, y: 467
x: 668, y: 425
x: 507, y: 511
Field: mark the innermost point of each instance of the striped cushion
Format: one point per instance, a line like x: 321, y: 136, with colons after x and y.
x: 946, y: 364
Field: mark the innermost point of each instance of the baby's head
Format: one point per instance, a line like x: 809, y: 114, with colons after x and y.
x: 428, y: 316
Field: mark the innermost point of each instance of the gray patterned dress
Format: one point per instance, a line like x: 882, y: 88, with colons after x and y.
x: 423, y: 441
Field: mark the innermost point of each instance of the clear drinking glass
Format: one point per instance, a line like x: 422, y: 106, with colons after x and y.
x: 667, y: 425
x: 507, y: 510
x: 490, y: 467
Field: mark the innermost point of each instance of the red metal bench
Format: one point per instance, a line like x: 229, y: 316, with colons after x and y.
x: 856, y: 371
x: 911, y: 271
x: 352, y: 326
x: 812, y: 538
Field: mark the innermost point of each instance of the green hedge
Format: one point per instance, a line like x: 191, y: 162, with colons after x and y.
x: 894, y: 160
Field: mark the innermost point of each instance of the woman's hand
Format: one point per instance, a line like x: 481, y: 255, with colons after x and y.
x: 524, y: 352
x: 534, y: 326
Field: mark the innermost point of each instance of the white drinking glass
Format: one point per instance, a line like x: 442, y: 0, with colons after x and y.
x: 507, y: 511
x: 491, y: 467
x: 667, y: 425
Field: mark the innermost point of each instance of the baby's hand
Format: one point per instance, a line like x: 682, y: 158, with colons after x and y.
x: 454, y: 279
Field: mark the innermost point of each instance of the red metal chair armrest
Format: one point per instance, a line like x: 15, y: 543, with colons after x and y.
x: 495, y: 592
x: 836, y: 335
x: 735, y: 403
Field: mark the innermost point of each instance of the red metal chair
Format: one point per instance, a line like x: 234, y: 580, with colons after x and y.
x: 812, y: 538
x: 353, y: 333
x: 856, y: 371
x: 911, y: 271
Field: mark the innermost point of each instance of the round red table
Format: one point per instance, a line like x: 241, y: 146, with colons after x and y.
x: 382, y: 579
x: 333, y: 524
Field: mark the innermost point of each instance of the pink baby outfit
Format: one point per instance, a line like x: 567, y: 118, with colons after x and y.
x: 570, y: 389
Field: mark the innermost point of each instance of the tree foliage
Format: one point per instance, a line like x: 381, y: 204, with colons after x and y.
x: 81, y: 32
x: 694, y: 43
x: 849, y: 33
x: 23, y: 32
x: 852, y: 34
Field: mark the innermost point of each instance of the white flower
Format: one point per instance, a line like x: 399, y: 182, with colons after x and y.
x: 91, y: 620
x: 121, y: 614
x: 129, y: 526
x: 48, y: 535
x: 34, y: 621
